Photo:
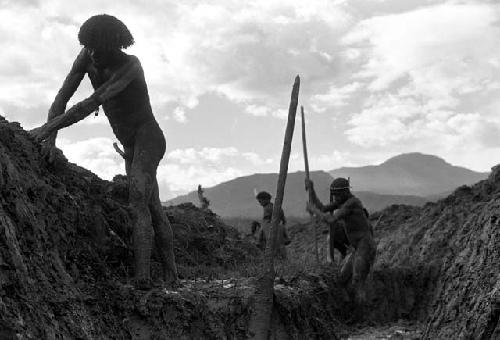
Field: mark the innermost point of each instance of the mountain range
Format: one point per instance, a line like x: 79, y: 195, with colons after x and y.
x: 410, y: 174
x: 412, y: 178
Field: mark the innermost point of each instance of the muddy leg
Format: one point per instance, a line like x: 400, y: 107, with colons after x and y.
x: 140, y: 190
x: 129, y: 156
x: 345, y: 274
x: 164, y: 238
x: 363, y: 261
x: 332, y: 242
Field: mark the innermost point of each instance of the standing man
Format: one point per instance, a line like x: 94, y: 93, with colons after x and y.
x: 120, y: 87
x: 348, y: 208
x: 264, y: 199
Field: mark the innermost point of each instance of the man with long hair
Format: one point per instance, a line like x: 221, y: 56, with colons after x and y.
x: 120, y: 87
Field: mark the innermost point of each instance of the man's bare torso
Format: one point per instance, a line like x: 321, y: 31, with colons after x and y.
x: 128, y: 110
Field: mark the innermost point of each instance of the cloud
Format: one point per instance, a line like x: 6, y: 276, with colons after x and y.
x: 253, y: 56
x: 180, y: 172
x: 20, y: 3
x: 390, y: 119
x: 330, y: 161
x: 403, y: 121
x: 215, y: 154
x: 175, y: 179
x: 429, y: 73
x: 266, y: 111
x: 248, y: 53
x: 336, y: 159
x: 206, y: 154
x: 442, y: 49
x: 257, y: 160
x: 395, y: 75
x: 258, y: 111
x: 281, y: 114
x: 36, y: 52
x: 95, y: 154
x: 179, y: 115
x: 184, y: 169
x: 335, y: 96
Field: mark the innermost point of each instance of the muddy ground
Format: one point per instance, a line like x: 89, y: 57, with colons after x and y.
x: 65, y: 266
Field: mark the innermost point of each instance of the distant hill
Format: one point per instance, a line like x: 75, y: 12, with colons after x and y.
x: 236, y: 197
x: 410, y: 174
x: 412, y: 178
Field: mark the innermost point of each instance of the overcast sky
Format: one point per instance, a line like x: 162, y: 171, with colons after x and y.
x: 379, y: 77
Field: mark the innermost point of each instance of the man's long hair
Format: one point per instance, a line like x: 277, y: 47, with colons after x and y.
x: 105, y: 32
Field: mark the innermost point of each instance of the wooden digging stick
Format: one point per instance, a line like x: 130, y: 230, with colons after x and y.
x: 260, y: 319
x: 306, y: 163
x: 118, y: 150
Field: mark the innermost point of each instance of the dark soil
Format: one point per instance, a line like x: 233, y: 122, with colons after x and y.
x: 437, y: 266
x: 65, y: 261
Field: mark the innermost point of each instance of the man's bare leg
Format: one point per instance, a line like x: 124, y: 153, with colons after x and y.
x: 331, y: 248
x: 164, y: 237
x: 345, y: 273
x: 140, y: 189
x: 363, y: 261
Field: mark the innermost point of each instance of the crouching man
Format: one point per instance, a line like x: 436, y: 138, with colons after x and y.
x: 348, y: 208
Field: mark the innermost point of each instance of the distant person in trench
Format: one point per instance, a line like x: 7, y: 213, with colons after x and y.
x: 120, y: 87
x: 204, y: 202
x: 348, y: 209
x: 264, y: 199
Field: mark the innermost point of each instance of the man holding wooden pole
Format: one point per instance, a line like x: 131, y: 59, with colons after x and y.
x: 349, y: 209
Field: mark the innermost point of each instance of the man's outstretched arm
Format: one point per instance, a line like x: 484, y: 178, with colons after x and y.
x: 314, y: 198
x: 68, y: 88
x: 340, y: 213
x: 74, y: 114
x: 118, y: 81
x: 316, y: 201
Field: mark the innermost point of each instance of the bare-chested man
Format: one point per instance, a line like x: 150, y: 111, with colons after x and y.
x: 120, y: 87
x: 264, y: 199
x: 349, y: 209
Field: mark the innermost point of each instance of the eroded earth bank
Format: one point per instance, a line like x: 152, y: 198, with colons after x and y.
x: 65, y: 261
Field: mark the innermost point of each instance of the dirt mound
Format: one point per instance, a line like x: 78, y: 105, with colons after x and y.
x: 65, y: 246
x: 65, y: 261
x: 203, y: 244
x: 455, y: 242
x: 65, y: 264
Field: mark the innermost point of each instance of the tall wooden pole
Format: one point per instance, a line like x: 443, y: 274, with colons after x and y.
x: 260, y: 320
x: 306, y: 163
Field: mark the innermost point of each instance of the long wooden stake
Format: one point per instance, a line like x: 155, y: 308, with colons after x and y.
x: 260, y: 320
x: 118, y: 150
x: 306, y: 163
